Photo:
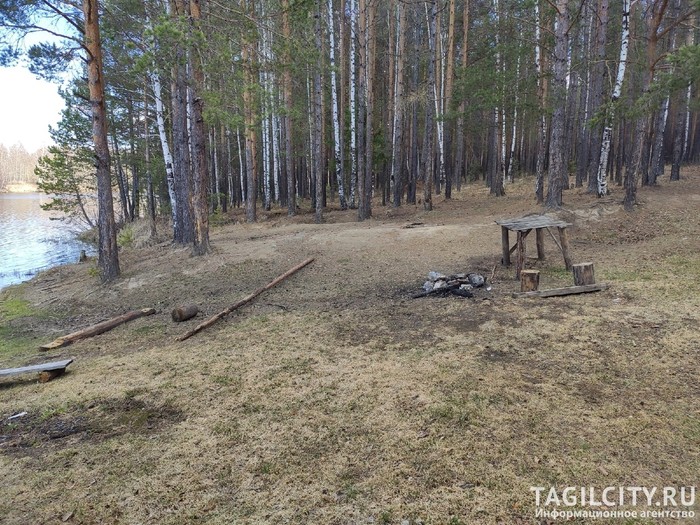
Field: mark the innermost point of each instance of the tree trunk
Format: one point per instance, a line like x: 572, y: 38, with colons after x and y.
x: 640, y: 155
x: 597, y: 88
x: 250, y: 120
x: 449, y: 90
x: 542, y: 121
x: 288, y: 103
x: 601, y: 173
x: 339, y: 171
x: 428, y: 138
x: 557, y: 174
x: 318, y: 118
x: 656, y: 168
x: 460, y: 164
x: 397, y: 142
x: 108, y: 259
x: 150, y: 197
x: 165, y: 147
x: 363, y: 153
x: 121, y: 179
x: 353, y: 103
x: 201, y: 171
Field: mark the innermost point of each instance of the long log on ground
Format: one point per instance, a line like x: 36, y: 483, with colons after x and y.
x: 244, y: 301
x: 569, y: 290
x: 100, y: 328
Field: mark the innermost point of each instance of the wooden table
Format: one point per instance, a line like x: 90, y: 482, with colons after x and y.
x: 523, y: 226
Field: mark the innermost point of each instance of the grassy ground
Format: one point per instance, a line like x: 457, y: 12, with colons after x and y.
x: 336, y: 398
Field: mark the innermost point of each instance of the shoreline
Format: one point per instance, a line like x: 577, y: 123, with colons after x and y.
x: 19, y: 187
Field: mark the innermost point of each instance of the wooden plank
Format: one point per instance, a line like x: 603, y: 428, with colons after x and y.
x: 97, y: 329
x: 43, y: 367
x: 532, y: 222
x: 569, y: 290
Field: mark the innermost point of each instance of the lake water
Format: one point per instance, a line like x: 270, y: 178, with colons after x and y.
x: 30, y: 241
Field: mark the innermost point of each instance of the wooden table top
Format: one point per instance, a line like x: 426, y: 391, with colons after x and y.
x: 530, y: 222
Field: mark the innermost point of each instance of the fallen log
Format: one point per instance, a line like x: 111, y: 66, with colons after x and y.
x: 569, y: 290
x: 97, y: 329
x: 244, y: 301
x: 183, y: 313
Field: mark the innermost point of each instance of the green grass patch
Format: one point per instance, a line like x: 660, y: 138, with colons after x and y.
x: 12, y: 307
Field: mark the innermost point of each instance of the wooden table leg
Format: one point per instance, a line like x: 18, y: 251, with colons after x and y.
x: 520, y: 261
x: 540, y: 243
x: 505, y: 246
x: 564, y: 238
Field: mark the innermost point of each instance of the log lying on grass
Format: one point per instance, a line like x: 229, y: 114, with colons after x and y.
x: 569, y: 290
x: 100, y: 328
x: 183, y: 313
x: 244, y: 301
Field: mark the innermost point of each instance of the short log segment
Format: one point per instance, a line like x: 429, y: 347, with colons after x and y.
x: 583, y: 274
x: 48, y: 375
x: 104, y: 326
x: 529, y: 280
x: 183, y: 313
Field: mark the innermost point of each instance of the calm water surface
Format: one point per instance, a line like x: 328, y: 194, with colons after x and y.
x: 30, y: 241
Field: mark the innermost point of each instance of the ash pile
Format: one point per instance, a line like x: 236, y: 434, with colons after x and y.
x: 460, y: 284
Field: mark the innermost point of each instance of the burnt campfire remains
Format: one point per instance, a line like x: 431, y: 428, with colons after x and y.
x: 460, y: 284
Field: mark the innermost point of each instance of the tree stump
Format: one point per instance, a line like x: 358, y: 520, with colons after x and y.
x: 583, y: 274
x: 529, y: 280
x: 82, y: 257
x: 48, y: 375
x: 183, y: 313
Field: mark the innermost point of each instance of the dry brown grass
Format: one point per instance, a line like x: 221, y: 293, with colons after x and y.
x: 336, y: 398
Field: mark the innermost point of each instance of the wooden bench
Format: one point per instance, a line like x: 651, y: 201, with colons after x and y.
x: 47, y: 371
x: 523, y: 226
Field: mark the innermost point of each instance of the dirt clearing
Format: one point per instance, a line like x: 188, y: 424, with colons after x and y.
x: 337, y: 398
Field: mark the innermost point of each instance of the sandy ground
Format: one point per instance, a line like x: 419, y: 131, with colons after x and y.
x: 336, y: 397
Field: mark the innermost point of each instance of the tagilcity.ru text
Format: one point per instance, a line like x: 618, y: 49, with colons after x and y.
x: 615, y: 496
